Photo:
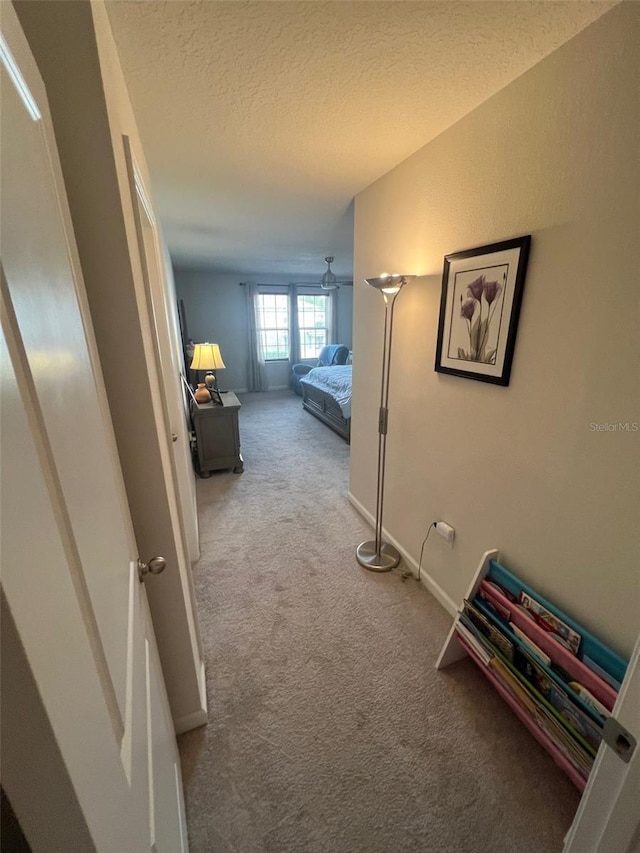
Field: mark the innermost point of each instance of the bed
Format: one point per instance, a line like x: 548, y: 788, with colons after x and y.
x: 326, y: 393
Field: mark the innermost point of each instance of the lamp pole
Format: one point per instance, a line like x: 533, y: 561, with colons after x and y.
x: 378, y: 555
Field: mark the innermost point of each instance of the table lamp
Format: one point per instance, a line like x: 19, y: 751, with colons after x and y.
x: 207, y: 357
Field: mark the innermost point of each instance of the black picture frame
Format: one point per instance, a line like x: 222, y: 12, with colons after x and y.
x: 479, y: 310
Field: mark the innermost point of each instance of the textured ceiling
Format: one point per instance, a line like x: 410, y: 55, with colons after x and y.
x: 262, y: 120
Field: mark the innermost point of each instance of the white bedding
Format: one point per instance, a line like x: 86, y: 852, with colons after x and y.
x: 334, y: 380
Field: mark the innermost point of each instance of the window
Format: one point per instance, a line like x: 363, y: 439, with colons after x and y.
x: 313, y: 320
x: 312, y: 323
x: 273, y: 325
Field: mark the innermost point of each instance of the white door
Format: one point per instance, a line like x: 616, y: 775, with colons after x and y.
x: 608, y: 817
x: 163, y: 319
x: 171, y: 409
x: 69, y: 560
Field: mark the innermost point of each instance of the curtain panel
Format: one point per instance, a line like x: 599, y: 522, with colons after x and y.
x: 257, y: 371
x: 332, y: 331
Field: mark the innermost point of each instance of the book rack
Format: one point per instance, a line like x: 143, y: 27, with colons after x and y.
x: 559, y: 679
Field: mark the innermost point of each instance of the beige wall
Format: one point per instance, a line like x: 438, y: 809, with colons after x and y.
x: 556, y: 155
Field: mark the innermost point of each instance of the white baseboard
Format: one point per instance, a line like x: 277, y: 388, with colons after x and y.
x: 202, y: 687
x: 196, y: 718
x: 425, y: 578
x: 191, y: 721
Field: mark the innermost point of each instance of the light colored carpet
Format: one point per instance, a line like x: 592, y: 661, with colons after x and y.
x: 330, y: 730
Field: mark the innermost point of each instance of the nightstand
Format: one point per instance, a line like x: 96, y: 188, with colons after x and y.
x: 217, y: 435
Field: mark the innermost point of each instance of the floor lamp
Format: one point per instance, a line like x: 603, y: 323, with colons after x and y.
x: 378, y: 555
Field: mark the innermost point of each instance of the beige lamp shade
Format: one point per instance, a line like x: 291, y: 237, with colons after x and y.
x: 207, y: 357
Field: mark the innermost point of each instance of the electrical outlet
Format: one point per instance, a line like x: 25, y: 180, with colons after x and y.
x: 446, y: 531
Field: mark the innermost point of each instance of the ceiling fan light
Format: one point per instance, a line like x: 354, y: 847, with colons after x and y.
x: 328, y: 280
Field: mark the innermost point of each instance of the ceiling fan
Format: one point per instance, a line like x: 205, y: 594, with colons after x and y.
x: 328, y: 280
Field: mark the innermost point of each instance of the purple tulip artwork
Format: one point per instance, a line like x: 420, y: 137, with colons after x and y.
x: 481, y: 297
x: 478, y: 311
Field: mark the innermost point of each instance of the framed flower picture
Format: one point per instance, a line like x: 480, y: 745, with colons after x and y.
x: 479, y: 310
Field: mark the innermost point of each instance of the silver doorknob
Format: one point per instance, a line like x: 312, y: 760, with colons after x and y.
x: 155, y: 566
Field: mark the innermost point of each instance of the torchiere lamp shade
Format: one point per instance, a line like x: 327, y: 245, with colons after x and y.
x: 389, y: 284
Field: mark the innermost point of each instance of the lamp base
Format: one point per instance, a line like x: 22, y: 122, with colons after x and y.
x: 368, y: 556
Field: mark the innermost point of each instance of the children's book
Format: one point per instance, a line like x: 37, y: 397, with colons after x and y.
x: 498, y: 639
x: 565, y: 635
x: 536, y: 650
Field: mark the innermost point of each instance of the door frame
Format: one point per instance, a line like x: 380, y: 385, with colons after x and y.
x: 171, y: 410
